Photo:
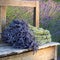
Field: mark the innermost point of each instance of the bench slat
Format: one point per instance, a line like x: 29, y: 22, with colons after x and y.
x: 7, y: 50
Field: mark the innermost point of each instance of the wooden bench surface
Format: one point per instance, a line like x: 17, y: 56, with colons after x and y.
x: 7, y: 50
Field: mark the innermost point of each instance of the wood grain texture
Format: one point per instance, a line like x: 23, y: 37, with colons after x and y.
x: 55, y: 53
x: 8, y: 50
x: 17, y: 3
x: 45, y: 51
x: 42, y: 54
x: 3, y: 16
x: 37, y: 14
x: 2, y: 19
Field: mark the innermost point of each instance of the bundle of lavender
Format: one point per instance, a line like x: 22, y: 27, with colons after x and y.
x: 42, y: 36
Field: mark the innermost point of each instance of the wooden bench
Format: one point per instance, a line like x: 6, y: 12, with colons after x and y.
x: 45, y: 52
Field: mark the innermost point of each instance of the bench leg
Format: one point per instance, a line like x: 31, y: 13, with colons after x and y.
x: 55, y: 58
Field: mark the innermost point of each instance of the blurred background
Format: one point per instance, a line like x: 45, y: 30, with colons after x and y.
x: 49, y: 16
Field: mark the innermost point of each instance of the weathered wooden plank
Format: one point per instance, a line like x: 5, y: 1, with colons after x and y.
x: 55, y: 53
x: 2, y: 18
x: 49, y: 44
x: 7, y: 50
x: 13, y: 57
x: 41, y: 54
x: 37, y: 14
x: 17, y: 3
